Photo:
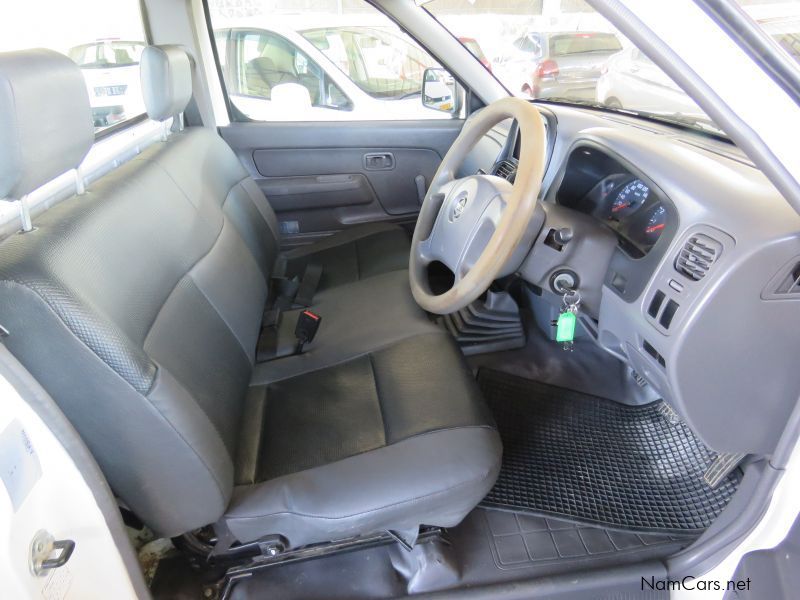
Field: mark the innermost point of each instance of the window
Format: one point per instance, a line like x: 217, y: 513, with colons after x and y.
x: 267, y: 76
x: 106, y: 44
x: 564, y: 51
x: 283, y: 61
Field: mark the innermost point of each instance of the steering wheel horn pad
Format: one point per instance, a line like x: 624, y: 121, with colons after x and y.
x: 474, y: 224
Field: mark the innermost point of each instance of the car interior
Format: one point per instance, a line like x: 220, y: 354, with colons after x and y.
x: 522, y: 346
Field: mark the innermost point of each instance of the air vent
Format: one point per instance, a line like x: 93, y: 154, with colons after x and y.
x: 790, y: 283
x: 506, y: 169
x: 697, y: 256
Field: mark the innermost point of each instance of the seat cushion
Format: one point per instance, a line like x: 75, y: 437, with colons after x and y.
x: 392, y: 439
x: 356, y: 253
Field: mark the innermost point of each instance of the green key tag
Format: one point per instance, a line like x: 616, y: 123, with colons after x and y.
x: 565, y: 327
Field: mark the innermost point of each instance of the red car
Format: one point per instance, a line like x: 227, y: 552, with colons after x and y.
x: 473, y: 46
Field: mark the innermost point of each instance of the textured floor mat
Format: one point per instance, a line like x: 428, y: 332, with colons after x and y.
x: 591, y: 459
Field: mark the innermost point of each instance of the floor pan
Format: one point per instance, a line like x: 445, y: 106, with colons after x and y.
x: 572, y: 455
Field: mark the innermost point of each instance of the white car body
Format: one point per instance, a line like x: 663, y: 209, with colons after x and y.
x: 294, y: 105
x: 631, y: 80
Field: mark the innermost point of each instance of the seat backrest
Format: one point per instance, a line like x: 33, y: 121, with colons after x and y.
x: 257, y: 76
x: 138, y: 303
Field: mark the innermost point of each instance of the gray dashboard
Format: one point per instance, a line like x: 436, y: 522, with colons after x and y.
x: 707, y: 310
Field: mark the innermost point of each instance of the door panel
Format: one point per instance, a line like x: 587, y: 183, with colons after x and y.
x: 322, y: 177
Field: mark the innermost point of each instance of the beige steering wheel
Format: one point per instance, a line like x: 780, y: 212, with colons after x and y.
x: 474, y: 225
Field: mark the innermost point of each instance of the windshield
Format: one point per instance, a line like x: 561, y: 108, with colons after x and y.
x: 564, y: 51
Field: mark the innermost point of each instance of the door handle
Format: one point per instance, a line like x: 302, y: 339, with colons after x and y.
x: 379, y: 161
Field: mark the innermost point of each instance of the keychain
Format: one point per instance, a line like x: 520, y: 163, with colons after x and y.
x: 567, y: 319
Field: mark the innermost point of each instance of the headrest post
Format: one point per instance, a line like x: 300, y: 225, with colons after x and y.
x: 25, y: 215
x: 164, y: 130
x: 180, y: 121
x: 80, y: 185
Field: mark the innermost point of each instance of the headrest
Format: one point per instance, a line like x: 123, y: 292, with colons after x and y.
x: 46, y: 124
x: 166, y: 81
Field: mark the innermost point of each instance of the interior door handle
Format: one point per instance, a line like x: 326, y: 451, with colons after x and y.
x: 379, y: 161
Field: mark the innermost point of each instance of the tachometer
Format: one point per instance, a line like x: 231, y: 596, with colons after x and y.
x: 629, y: 199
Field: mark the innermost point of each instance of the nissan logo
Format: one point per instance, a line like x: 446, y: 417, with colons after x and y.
x: 459, y: 207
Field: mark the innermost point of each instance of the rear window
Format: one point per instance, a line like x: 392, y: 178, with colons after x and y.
x: 104, y: 40
x: 107, y: 54
x: 582, y: 43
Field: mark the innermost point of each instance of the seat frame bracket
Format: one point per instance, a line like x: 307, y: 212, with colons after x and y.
x: 222, y: 589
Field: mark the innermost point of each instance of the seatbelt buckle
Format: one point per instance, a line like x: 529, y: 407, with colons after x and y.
x: 306, y: 328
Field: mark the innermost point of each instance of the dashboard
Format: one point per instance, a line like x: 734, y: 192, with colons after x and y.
x: 686, y: 256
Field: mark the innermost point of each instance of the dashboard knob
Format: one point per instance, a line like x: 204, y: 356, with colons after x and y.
x: 563, y: 235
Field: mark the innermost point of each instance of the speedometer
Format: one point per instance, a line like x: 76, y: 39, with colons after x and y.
x: 629, y: 199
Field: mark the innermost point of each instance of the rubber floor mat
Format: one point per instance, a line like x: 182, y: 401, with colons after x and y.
x: 587, y: 458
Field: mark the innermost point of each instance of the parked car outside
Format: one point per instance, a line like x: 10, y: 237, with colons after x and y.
x: 474, y: 47
x: 631, y: 80
x: 562, y: 64
x: 351, y: 73
x: 111, y: 70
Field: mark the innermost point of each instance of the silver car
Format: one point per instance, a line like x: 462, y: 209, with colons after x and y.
x: 630, y: 80
x: 556, y: 64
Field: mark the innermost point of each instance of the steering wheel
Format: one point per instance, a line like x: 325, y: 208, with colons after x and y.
x: 474, y: 225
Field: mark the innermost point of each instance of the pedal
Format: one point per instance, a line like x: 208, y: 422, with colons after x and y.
x: 722, y: 466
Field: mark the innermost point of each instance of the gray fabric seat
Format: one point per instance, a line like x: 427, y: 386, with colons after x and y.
x: 138, y: 305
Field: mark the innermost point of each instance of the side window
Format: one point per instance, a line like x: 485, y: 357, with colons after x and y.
x: 107, y: 45
x: 269, y: 77
x: 291, y: 64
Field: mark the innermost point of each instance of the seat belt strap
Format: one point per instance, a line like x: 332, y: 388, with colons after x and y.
x: 267, y: 347
x: 308, y: 285
x: 279, y: 267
